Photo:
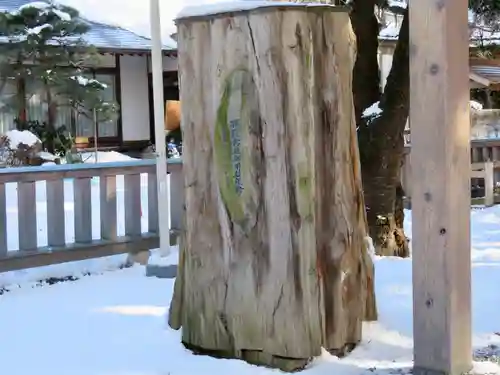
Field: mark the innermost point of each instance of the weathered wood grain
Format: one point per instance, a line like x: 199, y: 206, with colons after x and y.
x: 108, y: 202
x: 3, y: 222
x: 56, y: 224
x: 273, y: 255
x: 26, y: 203
x: 440, y: 162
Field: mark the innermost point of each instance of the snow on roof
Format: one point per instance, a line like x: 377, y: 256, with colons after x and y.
x: 397, y: 3
x: 489, y: 73
x: 133, y: 15
x: 391, y: 30
x: 102, y: 34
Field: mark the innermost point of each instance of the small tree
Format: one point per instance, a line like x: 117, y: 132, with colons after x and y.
x: 46, y: 44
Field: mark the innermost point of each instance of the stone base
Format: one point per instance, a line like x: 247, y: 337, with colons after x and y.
x: 423, y: 371
x: 168, y: 271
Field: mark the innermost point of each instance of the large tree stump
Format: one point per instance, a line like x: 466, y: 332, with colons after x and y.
x: 273, y: 256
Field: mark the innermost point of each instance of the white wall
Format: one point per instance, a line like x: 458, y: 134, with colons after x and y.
x: 385, y: 64
x: 135, y: 94
x: 169, y: 64
x: 105, y: 61
x: 134, y: 97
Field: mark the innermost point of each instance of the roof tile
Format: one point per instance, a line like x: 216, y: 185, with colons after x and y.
x: 101, y: 35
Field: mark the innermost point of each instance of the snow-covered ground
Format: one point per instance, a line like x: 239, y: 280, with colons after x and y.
x: 115, y: 323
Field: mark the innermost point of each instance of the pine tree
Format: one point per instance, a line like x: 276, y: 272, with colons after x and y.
x: 45, y: 42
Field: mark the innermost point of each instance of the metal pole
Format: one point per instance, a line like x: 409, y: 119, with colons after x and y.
x: 95, y: 135
x: 159, y: 119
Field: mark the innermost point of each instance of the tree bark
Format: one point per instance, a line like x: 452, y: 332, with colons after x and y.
x: 21, y: 100
x: 51, y: 118
x: 381, y: 144
x: 273, y: 258
x: 366, y: 79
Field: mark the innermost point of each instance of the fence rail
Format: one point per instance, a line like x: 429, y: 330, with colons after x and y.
x: 112, y: 208
x: 485, y: 165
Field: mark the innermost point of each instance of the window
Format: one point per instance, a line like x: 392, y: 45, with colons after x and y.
x: 108, y: 128
x: 85, y: 122
x: 37, y: 105
x: 8, y: 110
x: 80, y: 124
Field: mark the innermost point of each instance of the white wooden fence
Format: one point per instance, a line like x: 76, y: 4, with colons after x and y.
x: 63, y: 213
x: 485, y: 165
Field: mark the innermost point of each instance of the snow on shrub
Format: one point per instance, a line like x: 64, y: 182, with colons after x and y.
x: 22, y: 147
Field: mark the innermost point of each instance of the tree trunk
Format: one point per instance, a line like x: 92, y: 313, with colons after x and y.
x: 366, y: 91
x: 51, y: 119
x: 381, y: 144
x: 366, y: 79
x: 273, y: 258
x: 21, y: 100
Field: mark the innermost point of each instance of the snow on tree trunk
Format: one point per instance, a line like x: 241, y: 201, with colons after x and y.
x: 273, y: 254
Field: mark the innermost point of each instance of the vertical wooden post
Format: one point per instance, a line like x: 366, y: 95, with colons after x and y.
x: 26, y: 203
x: 439, y: 103
x: 83, y: 209
x: 56, y: 226
x: 3, y: 222
x: 486, y: 153
x: 476, y: 154
x: 107, y: 196
x: 489, y: 182
x: 176, y: 196
x: 132, y: 205
x: 152, y: 204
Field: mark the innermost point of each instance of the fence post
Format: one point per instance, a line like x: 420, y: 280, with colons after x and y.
x: 133, y: 215
x: 56, y: 228
x: 26, y: 202
x: 176, y: 196
x: 107, y: 197
x: 152, y: 204
x: 83, y: 209
x: 489, y: 193
x: 3, y: 222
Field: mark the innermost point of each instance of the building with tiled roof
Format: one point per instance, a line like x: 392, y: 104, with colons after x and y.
x: 125, y: 68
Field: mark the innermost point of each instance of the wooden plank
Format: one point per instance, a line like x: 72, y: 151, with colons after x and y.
x: 485, y: 142
x: 107, y: 191
x: 489, y: 195
x: 439, y: 104
x: 17, y: 260
x: 132, y: 204
x: 486, y: 153
x: 83, y: 209
x: 57, y: 172
x: 69, y: 171
x: 3, y: 222
x: 177, y: 199
x: 496, y: 153
x: 477, y: 174
x: 476, y: 154
x: 153, y: 226
x: 495, y: 158
x: 56, y: 228
x: 26, y: 203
